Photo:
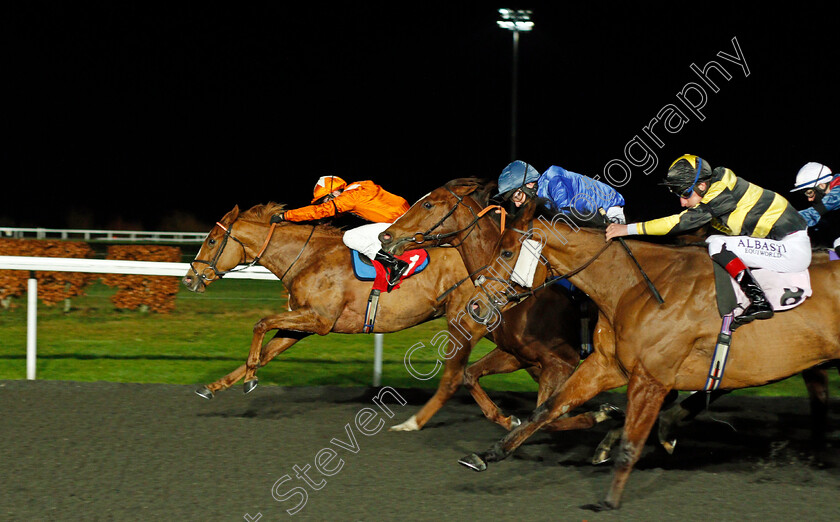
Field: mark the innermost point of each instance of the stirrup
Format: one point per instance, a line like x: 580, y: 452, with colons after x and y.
x: 762, y: 313
x: 394, y: 277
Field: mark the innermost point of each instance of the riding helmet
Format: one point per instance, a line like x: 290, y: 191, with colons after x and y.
x: 514, y: 176
x: 326, y: 185
x: 685, y: 173
x: 811, y: 175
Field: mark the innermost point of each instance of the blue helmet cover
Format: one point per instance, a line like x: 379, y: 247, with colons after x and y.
x: 515, y: 175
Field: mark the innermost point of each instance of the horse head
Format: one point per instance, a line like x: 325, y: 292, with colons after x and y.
x: 500, y: 286
x: 444, y: 213
x: 216, y: 255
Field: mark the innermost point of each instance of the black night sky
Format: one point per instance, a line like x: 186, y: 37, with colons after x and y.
x: 137, y: 114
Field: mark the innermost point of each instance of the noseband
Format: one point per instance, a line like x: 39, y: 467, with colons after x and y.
x: 514, y: 297
x: 422, y: 237
x: 211, y: 265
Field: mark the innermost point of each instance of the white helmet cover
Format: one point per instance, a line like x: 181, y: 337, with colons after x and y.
x: 811, y: 175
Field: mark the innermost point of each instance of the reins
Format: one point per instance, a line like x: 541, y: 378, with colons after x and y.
x: 516, y: 297
x: 229, y: 235
x: 422, y: 237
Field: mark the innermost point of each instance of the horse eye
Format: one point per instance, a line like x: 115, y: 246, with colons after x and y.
x: 507, y: 254
x: 427, y: 205
x: 211, y: 242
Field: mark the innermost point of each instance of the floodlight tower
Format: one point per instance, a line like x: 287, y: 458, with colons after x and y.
x: 515, y: 21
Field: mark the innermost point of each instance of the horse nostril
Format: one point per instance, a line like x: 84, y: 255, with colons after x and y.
x: 385, y: 237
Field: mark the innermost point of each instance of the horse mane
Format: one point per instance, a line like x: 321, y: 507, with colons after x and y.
x: 484, y: 188
x: 264, y: 213
x: 544, y: 207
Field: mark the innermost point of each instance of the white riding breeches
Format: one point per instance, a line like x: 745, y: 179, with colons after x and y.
x: 365, y: 238
x: 790, y: 254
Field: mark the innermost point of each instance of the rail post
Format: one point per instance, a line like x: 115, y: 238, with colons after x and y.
x: 31, y: 326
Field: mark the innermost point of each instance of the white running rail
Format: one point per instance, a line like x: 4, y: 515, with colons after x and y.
x: 127, y: 236
x: 111, y: 266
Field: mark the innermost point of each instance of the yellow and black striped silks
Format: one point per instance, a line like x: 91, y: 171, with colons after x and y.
x: 735, y: 207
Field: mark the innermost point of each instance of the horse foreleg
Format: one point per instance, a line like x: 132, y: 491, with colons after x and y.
x: 298, y: 323
x: 495, y: 362
x: 282, y: 340
x: 644, y: 399
x: 553, y: 377
x: 453, y: 376
x: 593, y: 376
x: 555, y: 372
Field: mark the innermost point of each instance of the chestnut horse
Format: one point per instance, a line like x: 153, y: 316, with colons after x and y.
x: 324, y: 295
x: 542, y: 335
x: 655, y: 348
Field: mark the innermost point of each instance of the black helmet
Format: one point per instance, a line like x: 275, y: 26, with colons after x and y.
x: 685, y: 173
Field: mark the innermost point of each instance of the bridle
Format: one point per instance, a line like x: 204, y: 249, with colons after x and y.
x: 422, y: 237
x: 218, y: 274
x: 515, y: 297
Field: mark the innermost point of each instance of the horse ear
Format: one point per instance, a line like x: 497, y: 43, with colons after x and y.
x: 231, y: 216
x: 464, y: 190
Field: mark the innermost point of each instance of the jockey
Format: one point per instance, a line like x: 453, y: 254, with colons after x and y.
x: 567, y: 190
x: 762, y: 229
x: 333, y: 196
x: 818, y: 184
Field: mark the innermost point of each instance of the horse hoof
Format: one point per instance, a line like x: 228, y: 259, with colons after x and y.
x: 669, y: 445
x: 601, y: 457
x: 473, y: 461
x: 608, y: 411
x: 600, y: 506
x: 514, y: 422
x: 204, y: 392
x: 250, y: 385
x: 409, y: 425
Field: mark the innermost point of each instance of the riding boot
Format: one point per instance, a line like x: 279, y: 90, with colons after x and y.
x: 394, y: 267
x: 759, y: 307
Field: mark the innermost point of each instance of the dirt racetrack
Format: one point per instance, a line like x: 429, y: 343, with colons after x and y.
x: 106, y: 451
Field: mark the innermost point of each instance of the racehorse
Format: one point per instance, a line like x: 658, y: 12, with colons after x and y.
x: 542, y: 335
x: 324, y: 295
x: 654, y: 348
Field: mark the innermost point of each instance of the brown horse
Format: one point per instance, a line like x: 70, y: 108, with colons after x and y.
x: 542, y: 335
x: 655, y: 348
x: 324, y: 295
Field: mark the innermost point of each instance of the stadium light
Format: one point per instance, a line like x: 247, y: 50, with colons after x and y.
x: 515, y: 21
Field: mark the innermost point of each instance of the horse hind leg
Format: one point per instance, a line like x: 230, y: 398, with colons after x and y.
x: 282, y: 340
x: 816, y: 381
x: 683, y: 411
x: 495, y: 362
x: 593, y: 376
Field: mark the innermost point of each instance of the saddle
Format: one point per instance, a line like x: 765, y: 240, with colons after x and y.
x: 364, y: 269
x: 783, y: 290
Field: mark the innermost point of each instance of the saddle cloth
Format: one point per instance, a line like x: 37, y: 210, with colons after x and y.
x: 364, y: 270
x: 783, y: 290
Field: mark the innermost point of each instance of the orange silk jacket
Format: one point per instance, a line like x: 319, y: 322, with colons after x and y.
x: 365, y: 199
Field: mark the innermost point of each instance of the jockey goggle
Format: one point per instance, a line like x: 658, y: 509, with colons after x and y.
x: 683, y: 194
x: 521, y: 193
x: 819, y: 190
